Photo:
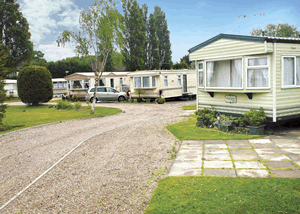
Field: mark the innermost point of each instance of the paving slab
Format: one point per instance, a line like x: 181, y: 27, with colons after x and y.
x: 294, y: 157
x: 260, y: 141
x: 239, y: 145
x: 217, y: 157
x: 286, y: 173
x: 284, y: 139
x: 252, y: 173
x: 192, y: 142
x: 218, y: 164
x: 215, y: 142
x: 281, y: 165
x: 264, y: 146
x: 191, y: 146
x: 216, y: 151
x: 287, y: 144
x: 244, y: 154
x: 178, y: 165
x: 189, y: 157
x: 237, y: 141
x: 186, y: 172
x: 216, y: 146
x: 189, y: 152
x: 274, y: 157
x: 291, y: 150
x: 248, y: 164
x: 264, y: 151
x: 220, y: 172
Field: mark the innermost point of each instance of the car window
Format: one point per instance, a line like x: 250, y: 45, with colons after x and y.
x: 109, y: 89
x: 92, y: 90
x: 101, y: 89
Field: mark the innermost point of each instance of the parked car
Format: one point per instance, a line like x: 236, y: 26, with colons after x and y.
x: 106, y: 94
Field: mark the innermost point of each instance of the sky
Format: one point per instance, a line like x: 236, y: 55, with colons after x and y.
x: 190, y: 22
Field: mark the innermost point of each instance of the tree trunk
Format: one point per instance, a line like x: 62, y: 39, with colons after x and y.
x: 95, y: 93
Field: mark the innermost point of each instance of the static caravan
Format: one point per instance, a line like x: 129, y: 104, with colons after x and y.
x: 60, y: 86
x: 236, y: 73
x: 78, y: 83
x: 163, y: 83
x: 11, y: 87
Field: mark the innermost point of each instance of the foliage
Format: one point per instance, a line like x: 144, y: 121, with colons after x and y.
x: 279, y: 30
x: 209, y: 116
x: 135, y: 43
x: 153, y: 52
x: 255, y: 118
x: 74, y: 98
x: 35, y: 85
x: 160, y: 100
x: 138, y: 91
x: 64, y: 105
x: 14, y: 34
x: 186, y: 59
x: 77, y: 105
x: 238, y: 121
x: 211, y: 194
x: 37, y: 59
x: 10, y: 97
x: 181, y: 65
x: 101, y: 28
x: 16, y: 116
x: 3, y: 72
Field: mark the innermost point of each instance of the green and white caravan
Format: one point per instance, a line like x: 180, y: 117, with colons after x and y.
x: 236, y: 73
x: 164, y: 83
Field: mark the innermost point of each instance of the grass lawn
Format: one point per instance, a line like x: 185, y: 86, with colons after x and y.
x: 189, y: 107
x: 226, y: 195
x: 13, y: 100
x: 187, y: 130
x: 37, y: 115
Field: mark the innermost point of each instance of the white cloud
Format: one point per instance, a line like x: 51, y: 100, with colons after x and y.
x: 44, y: 16
x: 54, y: 53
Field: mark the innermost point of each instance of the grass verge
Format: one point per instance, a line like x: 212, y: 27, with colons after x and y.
x: 226, y: 195
x: 189, y: 107
x: 187, y: 130
x: 26, y: 116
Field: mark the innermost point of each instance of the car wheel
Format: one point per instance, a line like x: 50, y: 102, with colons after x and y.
x: 121, y: 99
x: 92, y: 99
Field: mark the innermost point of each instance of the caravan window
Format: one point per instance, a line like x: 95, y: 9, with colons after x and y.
x: 258, y: 72
x: 290, y: 71
x: 166, y: 81
x: 153, y: 81
x: 146, y: 82
x: 200, y: 74
x: 137, y: 82
x: 179, y: 79
x: 76, y: 84
x: 101, y: 82
x: 224, y: 74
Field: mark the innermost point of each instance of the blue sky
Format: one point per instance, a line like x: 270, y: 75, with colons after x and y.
x: 190, y: 22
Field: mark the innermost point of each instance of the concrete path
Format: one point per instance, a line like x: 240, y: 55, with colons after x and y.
x: 238, y: 158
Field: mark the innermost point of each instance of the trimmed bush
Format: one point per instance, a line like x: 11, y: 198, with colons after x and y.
x: 77, y: 105
x: 35, y: 85
x: 64, y: 105
x: 160, y: 100
x: 74, y: 98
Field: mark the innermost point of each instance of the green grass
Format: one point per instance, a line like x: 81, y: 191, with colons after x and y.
x: 37, y: 115
x: 13, y: 100
x: 187, y: 130
x: 225, y: 195
x: 189, y: 107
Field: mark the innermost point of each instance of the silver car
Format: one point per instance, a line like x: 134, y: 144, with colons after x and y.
x: 106, y: 94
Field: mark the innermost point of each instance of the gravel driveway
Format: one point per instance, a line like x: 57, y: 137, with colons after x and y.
x: 113, y: 172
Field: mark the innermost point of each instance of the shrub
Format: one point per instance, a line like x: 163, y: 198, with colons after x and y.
x: 64, y: 105
x: 35, y: 85
x: 10, y: 97
x: 209, y: 116
x: 77, y: 105
x: 74, y: 98
x: 255, y: 118
x: 160, y: 100
x: 138, y: 91
x: 63, y: 97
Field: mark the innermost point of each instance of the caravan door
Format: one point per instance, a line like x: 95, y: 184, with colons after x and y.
x: 184, y: 84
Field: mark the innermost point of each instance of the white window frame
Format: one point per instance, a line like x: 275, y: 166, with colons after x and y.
x: 142, y: 83
x: 295, y: 69
x: 200, y: 70
x: 217, y: 60
x: 121, y: 81
x: 179, y: 77
x: 154, y: 81
x: 166, y: 78
x: 260, y: 66
x: 134, y: 82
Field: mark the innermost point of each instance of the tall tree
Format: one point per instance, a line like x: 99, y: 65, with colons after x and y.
x: 14, y: 34
x: 153, y: 50
x: 163, y: 38
x: 134, y: 50
x: 280, y: 30
x: 101, y: 27
x: 186, y: 59
x: 3, y: 72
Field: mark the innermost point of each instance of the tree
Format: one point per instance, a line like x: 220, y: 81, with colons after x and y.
x: 181, y: 65
x: 101, y: 27
x: 3, y: 72
x: 186, y: 59
x: 35, y: 85
x: 280, y: 30
x: 135, y: 42
x: 163, y: 38
x: 153, y: 51
x: 14, y: 34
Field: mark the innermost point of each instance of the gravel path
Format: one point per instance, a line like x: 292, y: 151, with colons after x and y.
x: 113, y: 172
